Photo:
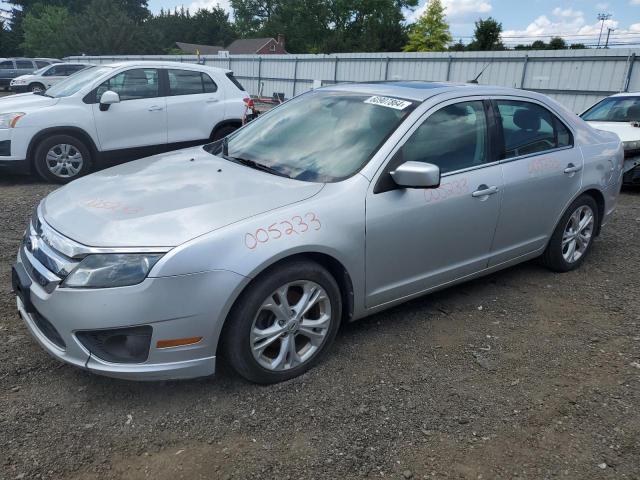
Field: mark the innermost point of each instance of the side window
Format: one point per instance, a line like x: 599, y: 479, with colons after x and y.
x: 53, y: 71
x: 529, y: 128
x: 6, y: 65
x: 41, y: 64
x: 132, y: 84
x: 24, y: 65
x: 452, y: 138
x: 189, y: 82
x: 71, y: 69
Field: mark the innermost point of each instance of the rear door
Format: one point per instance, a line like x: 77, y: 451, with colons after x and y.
x: 24, y: 67
x: 7, y: 72
x: 194, y: 105
x: 542, y: 173
x: 418, y: 239
x: 140, y: 119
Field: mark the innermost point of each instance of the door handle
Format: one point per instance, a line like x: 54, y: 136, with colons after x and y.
x: 571, y: 168
x: 484, y: 191
x: 155, y: 108
x: 213, y: 100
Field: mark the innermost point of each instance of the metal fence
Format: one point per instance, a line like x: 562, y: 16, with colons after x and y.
x: 576, y: 78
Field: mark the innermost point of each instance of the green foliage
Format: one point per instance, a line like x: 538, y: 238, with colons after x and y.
x: 44, y: 32
x: 538, y: 45
x: 431, y: 32
x: 326, y: 25
x: 487, y: 35
x: 459, y: 46
x: 557, y: 43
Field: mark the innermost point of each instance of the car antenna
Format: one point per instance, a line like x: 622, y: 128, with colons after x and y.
x: 475, y: 80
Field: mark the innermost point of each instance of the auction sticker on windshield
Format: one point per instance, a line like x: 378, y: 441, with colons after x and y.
x: 388, y: 102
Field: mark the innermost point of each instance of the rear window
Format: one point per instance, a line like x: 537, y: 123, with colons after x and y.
x: 235, y: 81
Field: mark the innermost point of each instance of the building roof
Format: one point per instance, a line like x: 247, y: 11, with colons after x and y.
x: 194, y: 48
x: 247, y: 46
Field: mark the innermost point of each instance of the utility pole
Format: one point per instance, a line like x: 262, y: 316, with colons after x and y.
x: 602, y: 17
x: 609, y: 30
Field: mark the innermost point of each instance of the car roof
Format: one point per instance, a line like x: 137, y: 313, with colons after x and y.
x: 422, y: 90
x: 627, y: 94
x: 160, y: 63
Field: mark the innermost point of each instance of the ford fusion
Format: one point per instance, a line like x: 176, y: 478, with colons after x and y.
x: 341, y: 202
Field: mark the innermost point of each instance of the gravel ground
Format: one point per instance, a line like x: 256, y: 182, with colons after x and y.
x: 522, y: 374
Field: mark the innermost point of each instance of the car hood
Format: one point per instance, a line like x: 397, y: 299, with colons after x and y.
x: 25, y: 101
x: 624, y: 130
x: 166, y: 200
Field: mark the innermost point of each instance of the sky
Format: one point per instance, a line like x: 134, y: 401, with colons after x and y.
x: 522, y: 20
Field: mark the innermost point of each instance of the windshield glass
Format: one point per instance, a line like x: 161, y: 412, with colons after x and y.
x: 615, y: 109
x: 322, y: 136
x: 40, y: 71
x: 77, y: 81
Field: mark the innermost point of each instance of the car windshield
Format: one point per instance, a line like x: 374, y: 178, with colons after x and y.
x: 321, y: 136
x: 77, y: 81
x: 615, y: 109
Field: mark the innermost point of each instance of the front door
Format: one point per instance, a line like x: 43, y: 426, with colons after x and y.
x: 418, y: 239
x: 140, y: 119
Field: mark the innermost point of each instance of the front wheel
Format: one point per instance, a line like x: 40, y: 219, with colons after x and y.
x: 283, y: 323
x: 572, y: 239
x: 62, y: 158
x: 222, y: 132
x: 36, y: 88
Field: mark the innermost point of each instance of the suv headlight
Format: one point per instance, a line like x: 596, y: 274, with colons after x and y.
x: 18, y: 82
x: 111, y: 270
x: 9, y: 120
x: 634, y: 145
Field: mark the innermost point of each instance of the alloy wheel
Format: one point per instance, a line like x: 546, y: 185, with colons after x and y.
x: 291, y: 325
x: 578, y: 234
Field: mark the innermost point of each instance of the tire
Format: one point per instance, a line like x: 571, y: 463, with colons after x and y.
x: 276, y: 362
x: 36, y: 87
x: 68, y: 168
x: 559, y: 255
x: 222, y: 132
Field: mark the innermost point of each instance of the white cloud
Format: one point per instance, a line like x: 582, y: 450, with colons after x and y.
x: 602, y: 7
x: 634, y: 2
x: 459, y: 10
x: 567, y: 22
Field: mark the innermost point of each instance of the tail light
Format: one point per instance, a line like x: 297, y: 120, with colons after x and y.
x: 249, y: 102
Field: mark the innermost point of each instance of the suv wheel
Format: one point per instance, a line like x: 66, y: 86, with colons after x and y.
x: 62, y: 158
x: 36, y: 88
x: 222, y: 132
x: 283, y: 323
x: 573, y: 237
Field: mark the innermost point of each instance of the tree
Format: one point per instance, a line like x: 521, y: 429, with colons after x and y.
x: 578, y: 46
x: 44, y: 32
x: 431, y: 32
x: 538, y: 45
x: 458, y: 47
x: 104, y: 28
x: 487, y: 35
x: 557, y: 43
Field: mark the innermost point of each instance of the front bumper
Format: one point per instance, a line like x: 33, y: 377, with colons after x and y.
x: 175, y: 307
x: 19, y: 88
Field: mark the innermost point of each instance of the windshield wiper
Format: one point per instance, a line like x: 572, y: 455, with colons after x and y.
x: 257, y: 166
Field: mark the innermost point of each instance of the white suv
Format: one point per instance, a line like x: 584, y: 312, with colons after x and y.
x: 117, y: 112
x: 45, y: 77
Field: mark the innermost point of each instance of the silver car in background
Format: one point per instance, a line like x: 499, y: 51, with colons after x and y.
x: 340, y: 203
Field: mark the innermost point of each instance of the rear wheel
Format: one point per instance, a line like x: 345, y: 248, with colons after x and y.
x: 283, y: 323
x: 223, y: 132
x: 62, y: 158
x: 572, y: 239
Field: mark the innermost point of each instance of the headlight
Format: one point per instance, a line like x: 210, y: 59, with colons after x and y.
x: 632, y: 145
x: 9, y: 120
x: 18, y: 82
x: 111, y: 270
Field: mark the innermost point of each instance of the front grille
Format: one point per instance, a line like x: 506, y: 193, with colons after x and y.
x: 48, y: 330
x: 632, y: 153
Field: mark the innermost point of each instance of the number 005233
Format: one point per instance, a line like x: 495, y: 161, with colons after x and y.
x: 296, y: 225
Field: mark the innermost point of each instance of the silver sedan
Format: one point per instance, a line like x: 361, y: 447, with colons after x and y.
x: 341, y: 202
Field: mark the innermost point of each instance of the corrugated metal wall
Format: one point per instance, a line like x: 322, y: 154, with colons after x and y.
x: 577, y: 78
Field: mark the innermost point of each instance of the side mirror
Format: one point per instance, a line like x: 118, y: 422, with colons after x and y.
x: 417, y: 175
x: 107, y: 99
